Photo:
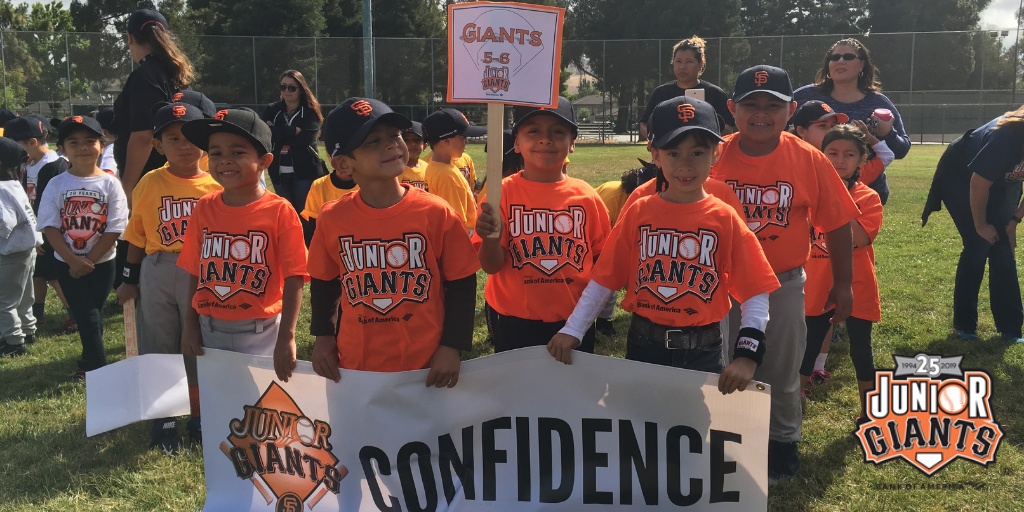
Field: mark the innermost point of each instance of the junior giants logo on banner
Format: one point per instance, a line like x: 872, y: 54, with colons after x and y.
x: 286, y: 455
x: 929, y: 420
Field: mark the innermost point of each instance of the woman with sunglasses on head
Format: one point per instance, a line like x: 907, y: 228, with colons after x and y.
x: 848, y: 83
x: 295, y: 123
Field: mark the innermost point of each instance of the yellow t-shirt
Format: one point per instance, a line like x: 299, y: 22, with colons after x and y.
x: 614, y: 197
x: 414, y: 176
x: 162, y: 207
x: 445, y: 181
x: 464, y: 164
x: 322, y: 192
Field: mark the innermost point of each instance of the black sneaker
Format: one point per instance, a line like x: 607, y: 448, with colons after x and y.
x: 8, y: 350
x: 30, y: 339
x: 783, y: 460
x: 165, y: 436
x: 606, y: 327
x: 194, y: 427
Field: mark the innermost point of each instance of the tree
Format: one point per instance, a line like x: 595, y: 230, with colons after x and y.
x: 800, y: 17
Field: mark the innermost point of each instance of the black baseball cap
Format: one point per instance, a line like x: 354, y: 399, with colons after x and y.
x: 143, y: 18
x: 106, y: 118
x: 196, y: 99
x: 11, y: 153
x: 763, y: 78
x: 347, y: 126
x: 6, y: 115
x: 243, y: 122
x: 508, y: 143
x: 173, y: 113
x: 24, y: 128
x: 416, y: 128
x: 564, y: 111
x: 814, y: 111
x: 447, y: 123
x: 73, y: 124
x: 674, y: 117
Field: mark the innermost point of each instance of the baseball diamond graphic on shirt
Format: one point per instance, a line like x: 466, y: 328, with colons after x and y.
x: 83, y: 217
x: 547, y: 239
x: 675, y: 263
x: 764, y: 205
x: 234, y: 263
x: 382, y: 274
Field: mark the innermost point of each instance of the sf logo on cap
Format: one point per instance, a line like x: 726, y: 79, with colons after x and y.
x: 363, y: 108
x: 760, y: 78
x: 220, y: 115
x: 76, y: 119
x: 686, y: 112
x: 826, y: 108
x: 178, y: 110
x: 177, y: 97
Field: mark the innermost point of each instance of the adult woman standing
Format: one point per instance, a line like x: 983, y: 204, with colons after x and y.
x: 688, y: 63
x: 162, y: 71
x: 848, y: 82
x: 979, y: 178
x: 295, y: 122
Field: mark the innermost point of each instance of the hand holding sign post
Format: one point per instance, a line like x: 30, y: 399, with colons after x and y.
x: 503, y: 53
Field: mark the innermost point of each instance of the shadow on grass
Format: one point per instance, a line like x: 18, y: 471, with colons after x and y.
x: 50, y: 378
x: 818, y: 471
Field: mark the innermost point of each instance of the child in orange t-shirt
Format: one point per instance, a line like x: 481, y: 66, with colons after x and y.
x: 243, y: 248
x: 846, y: 148
x: 552, y: 228
x: 393, y: 261
x: 785, y: 183
x: 681, y: 254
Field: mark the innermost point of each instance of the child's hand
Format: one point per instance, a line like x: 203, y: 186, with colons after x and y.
x: 884, y: 127
x: 486, y: 222
x: 127, y: 292
x: 284, y: 359
x: 737, y: 375
x: 80, y: 266
x: 561, y: 345
x: 841, y: 298
x: 191, y: 340
x: 325, y: 358
x: 444, y: 367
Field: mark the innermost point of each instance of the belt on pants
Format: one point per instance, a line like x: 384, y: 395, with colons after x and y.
x: 674, y: 338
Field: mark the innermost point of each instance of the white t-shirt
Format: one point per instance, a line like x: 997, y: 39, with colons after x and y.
x: 32, y: 173
x: 83, y: 209
x: 107, y: 162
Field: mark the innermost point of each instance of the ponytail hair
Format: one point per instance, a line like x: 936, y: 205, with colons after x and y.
x: 165, y: 46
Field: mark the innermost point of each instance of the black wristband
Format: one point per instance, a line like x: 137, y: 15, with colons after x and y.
x: 1016, y: 219
x: 750, y: 344
x: 130, y: 273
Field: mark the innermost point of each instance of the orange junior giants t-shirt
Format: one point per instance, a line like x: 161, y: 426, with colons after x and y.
x: 393, y: 263
x: 551, y: 233
x: 681, y: 262
x: 871, y: 170
x: 865, y: 286
x: 780, y: 191
x: 242, y: 254
x: 711, y: 186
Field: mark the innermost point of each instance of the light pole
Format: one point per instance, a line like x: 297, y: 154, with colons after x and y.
x: 368, y: 64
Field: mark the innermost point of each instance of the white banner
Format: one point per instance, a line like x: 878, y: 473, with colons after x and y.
x: 504, y: 53
x: 520, y: 432
x: 135, y: 389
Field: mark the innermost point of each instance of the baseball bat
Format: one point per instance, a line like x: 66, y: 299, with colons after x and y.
x: 131, y: 333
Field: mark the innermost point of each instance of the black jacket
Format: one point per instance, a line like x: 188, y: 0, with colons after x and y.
x: 302, y: 154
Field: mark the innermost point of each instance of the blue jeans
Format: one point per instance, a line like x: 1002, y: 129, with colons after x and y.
x: 295, y: 191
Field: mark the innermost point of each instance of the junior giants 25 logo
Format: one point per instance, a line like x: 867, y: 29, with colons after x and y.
x: 927, y: 420
x: 84, y: 217
x: 675, y: 263
x: 764, y: 205
x: 547, y: 239
x: 286, y: 455
x: 381, y: 274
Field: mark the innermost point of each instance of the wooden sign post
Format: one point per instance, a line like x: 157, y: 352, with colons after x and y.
x: 503, y: 54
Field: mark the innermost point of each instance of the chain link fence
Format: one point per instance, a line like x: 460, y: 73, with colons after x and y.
x: 942, y: 83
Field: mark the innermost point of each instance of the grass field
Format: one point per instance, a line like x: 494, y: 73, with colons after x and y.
x: 47, y: 463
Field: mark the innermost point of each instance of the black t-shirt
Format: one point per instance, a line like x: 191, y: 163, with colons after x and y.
x: 713, y: 94
x: 997, y: 154
x: 148, y: 85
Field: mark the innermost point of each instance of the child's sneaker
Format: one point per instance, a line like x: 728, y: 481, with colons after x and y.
x: 30, y: 339
x: 966, y: 336
x: 606, y: 327
x: 8, y: 350
x: 194, y: 427
x: 820, y: 376
x: 70, y: 326
x: 165, y: 436
x: 80, y: 371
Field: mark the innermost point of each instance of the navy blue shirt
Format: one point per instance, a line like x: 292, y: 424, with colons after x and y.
x: 996, y: 153
x: 897, y: 139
